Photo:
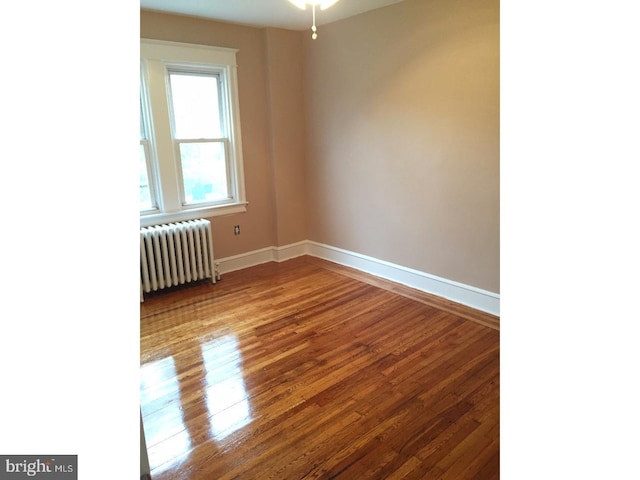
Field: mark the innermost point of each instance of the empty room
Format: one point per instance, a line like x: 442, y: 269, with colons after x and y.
x: 323, y: 279
x: 320, y: 239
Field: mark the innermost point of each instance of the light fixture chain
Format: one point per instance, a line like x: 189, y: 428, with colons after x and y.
x: 314, y: 35
x: 323, y: 4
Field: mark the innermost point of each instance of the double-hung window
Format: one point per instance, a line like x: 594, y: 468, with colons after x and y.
x: 190, y: 143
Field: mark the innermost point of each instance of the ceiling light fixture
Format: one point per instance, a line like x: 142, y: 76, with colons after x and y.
x: 302, y: 5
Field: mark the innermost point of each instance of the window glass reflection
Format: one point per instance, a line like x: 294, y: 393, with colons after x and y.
x: 168, y: 441
x: 226, y: 395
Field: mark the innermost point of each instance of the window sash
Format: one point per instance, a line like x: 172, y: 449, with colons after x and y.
x: 216, y: 73
x: 150, y: 183
x: 227, y: 177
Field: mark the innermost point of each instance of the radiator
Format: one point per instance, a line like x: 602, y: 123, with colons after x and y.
x: 174, y: 254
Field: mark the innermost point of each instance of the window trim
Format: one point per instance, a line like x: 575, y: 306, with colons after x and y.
x: 144, y: 143
x: 156, y: 55
x: 149, y: 149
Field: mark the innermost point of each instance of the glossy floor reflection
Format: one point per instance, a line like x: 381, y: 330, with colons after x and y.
x: 226, y: 395
x: 173, y: 416
x: 168, y: 440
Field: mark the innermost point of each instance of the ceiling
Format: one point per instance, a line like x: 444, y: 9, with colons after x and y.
x: 264, y: 13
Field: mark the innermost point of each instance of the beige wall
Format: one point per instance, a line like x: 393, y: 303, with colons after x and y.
x: 380, y: 137
x: 285, y: 93
x: 403, y: 147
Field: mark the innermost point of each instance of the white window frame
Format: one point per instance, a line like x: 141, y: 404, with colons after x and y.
x: 147, y: 144
x: 157, y: 58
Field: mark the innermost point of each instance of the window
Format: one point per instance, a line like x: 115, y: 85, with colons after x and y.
x: 190, y: 144
x: 147, y: 196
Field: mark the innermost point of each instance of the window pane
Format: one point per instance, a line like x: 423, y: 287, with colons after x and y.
x: 204, y: 172
x: 143, y: 133
x: 195, y: 106
x: 145, y: 193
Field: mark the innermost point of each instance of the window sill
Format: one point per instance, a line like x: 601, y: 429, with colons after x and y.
x: 191, y: 214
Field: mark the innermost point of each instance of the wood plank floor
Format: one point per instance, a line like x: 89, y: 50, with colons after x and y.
x: 306, y: 369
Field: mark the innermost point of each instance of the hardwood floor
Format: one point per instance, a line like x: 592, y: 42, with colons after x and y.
x: 306, y: 369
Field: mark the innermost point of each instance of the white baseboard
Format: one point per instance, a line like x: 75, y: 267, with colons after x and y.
x: 291, y: 251
x: 245, y: 260
x: 473, y: 297
x: 456, y: 292
x: 264, y: 255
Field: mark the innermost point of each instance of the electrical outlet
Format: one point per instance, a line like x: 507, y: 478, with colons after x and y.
x: 236, y: 229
